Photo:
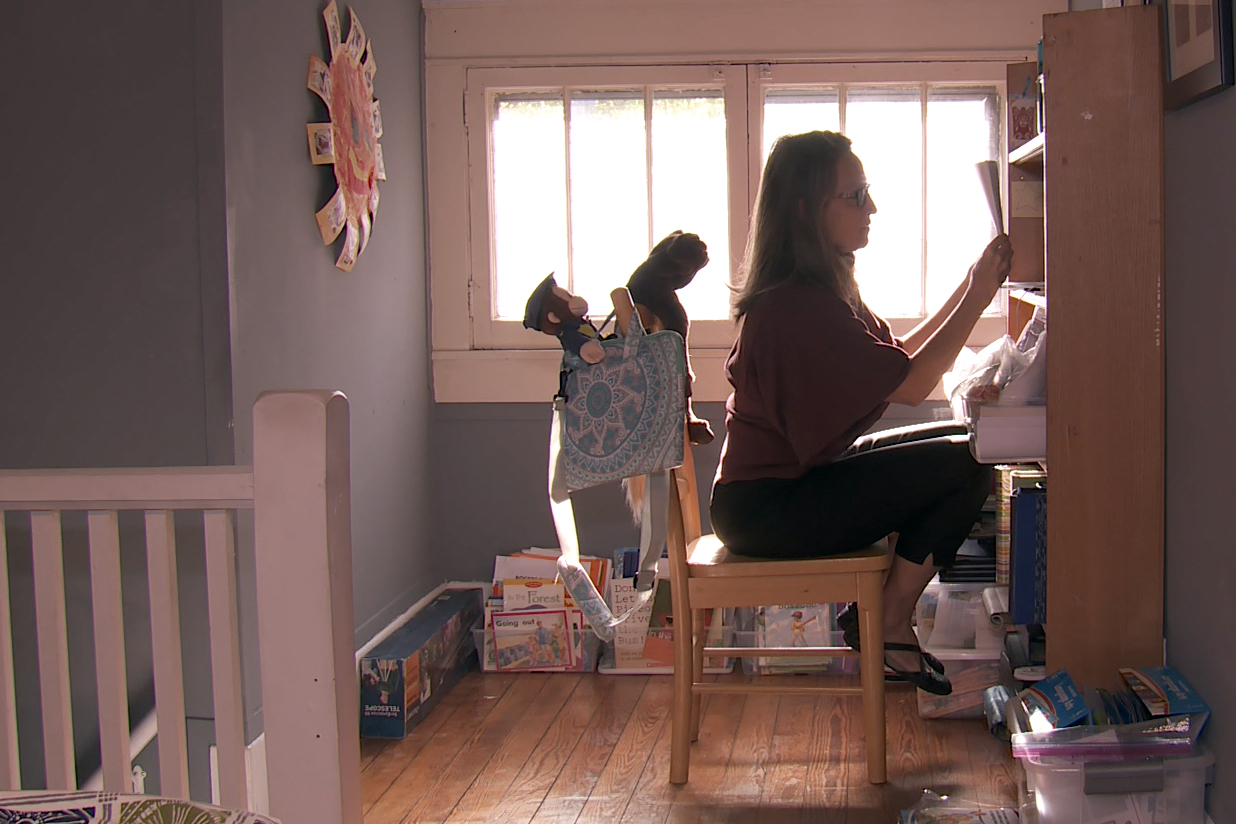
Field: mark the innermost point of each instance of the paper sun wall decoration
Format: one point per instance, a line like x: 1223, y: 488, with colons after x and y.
x: 350, y: 140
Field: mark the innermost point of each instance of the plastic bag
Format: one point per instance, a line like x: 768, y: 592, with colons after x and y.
x: 1029, y: 384
x: 996, y: 364
x: 1012, y: 372
x: 933, y: 808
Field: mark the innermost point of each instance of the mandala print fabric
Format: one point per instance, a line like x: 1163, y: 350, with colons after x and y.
x: 624, y: 416
x: 110, y: 808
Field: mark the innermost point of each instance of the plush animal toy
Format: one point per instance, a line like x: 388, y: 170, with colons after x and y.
x: 671, y: 265
x: 555, y: 311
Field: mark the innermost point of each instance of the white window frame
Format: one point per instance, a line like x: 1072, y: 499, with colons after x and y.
x: 483, y: 84
x: 462, y: 37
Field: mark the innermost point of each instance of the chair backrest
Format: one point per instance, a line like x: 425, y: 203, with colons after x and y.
x: 687, y: 487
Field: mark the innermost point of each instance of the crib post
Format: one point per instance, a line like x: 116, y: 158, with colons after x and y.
x: 302, y: 527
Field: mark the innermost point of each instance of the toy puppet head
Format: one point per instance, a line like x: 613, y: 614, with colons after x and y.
x: 551, y: 308
x: 685, y: 255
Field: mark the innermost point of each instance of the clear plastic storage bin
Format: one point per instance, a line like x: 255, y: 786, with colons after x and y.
x: 773, y: 664
x: 953, y: 616
x: 1149, y: 791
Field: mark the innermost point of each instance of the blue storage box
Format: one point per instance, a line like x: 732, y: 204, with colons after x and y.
x: 405, y: 675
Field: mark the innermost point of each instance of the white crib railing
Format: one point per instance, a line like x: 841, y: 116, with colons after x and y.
x: 299, y: 490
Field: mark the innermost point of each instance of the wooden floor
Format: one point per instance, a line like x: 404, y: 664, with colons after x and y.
x: 532, y: 747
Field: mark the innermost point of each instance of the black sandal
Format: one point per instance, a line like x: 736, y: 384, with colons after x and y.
x: 847, y: 619
x: 925, y: 678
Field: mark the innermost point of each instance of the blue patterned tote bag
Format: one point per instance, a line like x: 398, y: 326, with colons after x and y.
x: 621, y: 417
x: 624, y: 415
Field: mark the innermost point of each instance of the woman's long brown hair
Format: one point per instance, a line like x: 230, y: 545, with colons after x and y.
x: 787, y: 241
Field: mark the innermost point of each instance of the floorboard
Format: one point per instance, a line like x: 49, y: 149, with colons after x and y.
x: 563, y: 748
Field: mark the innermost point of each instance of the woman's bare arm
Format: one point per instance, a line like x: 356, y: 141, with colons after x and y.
x: 937, y: 352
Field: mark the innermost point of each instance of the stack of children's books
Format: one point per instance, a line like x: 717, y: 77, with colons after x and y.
x: 644, y: 642
x: 531, y: 621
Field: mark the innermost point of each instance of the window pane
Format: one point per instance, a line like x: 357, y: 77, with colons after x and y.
x: 962, y: 130
x: 529, y: 197
x: 690, y: 190
x: 885, y: 124
x: 609, y: 193
x: 798, y: 110
x: 631, y: 176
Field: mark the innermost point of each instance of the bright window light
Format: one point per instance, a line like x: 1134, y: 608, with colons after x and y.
x: 633, y: 165
x: 886, y: 125
x: 529, y: 197
x: 583, y: 181
x: 932, y: 219
x: 690, y: 188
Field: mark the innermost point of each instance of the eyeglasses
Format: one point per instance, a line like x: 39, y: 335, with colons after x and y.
x: 860, y: 195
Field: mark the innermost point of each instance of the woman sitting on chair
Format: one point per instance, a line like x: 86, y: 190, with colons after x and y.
x: 813, y: 368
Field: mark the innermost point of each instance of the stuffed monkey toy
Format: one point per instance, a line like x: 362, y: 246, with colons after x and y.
x: 671, y: 265
x: 555, y: 311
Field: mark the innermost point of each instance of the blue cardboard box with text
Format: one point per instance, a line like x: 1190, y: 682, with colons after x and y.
x: 405, y: 675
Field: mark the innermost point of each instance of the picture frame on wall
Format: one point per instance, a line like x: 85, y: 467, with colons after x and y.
x: 1198, y: 36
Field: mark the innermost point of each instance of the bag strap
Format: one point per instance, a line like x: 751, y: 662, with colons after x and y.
x: 654, y: 529
x: 631, y: 337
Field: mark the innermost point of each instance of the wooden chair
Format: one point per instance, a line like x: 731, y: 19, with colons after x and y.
x: 705, y: 575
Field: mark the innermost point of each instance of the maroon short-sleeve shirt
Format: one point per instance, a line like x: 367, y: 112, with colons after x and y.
x: 810, y: 374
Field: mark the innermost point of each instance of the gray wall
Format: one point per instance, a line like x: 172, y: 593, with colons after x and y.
x: 111, y: 326
x: 1200, y: 296
x: 162, y: 259
x: 113, y: 320
x: 297, y: 320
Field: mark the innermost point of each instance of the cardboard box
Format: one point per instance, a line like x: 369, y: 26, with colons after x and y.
x: 406, y: 674
x: 1053, y: 702
x: 1164, y: 690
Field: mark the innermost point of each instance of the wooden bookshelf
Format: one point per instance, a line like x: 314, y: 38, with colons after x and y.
x: 1019, y: 307
x: 1103, y: 176
x: 1029, y: 153
x: 1025, y: 190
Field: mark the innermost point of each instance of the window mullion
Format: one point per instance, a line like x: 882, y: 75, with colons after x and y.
x: 648, y: 160
x: 566, y: 155
x: 922, y: 268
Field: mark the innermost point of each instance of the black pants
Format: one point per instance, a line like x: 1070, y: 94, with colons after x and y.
x: 918, y: 481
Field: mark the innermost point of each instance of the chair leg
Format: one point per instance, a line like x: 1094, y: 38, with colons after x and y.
x: 871, y: 618
x: 681, y: 717
x: 700, y: 637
